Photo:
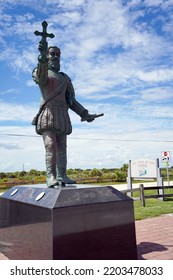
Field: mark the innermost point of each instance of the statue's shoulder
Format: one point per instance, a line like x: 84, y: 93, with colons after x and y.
x: 65, y: 76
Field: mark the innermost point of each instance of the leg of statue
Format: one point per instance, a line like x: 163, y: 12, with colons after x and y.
x: 61, y: 158
x: 49, y: 139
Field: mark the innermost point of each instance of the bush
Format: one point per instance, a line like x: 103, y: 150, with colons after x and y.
x: 3, y: 175
x: 95, y: 173
x: 121, y: 176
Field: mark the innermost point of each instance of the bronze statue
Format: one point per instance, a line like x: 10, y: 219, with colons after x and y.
x: 53, y: 121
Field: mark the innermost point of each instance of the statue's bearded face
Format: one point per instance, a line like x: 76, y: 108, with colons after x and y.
x: 54, y: 58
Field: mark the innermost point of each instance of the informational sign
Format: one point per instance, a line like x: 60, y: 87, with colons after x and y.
x: 166, y: 156
x: 143, y: 168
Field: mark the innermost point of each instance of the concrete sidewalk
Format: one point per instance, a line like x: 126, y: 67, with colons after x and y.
x: 154, y: 238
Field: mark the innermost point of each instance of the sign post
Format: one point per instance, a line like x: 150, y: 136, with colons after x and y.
x: 166, y: 158
x: 144, y: 169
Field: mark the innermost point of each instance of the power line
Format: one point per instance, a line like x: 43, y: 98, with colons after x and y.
x: 18, y: 135
x: 125, y: 140
x: 95, y: 139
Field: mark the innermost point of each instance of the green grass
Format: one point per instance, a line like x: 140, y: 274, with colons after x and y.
x: 2, y: 190
x: 154, y: 207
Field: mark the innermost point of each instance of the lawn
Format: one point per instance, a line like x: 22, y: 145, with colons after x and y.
x: 154, y: 206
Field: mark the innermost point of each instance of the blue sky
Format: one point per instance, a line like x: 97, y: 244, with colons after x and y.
x: 119, y: 55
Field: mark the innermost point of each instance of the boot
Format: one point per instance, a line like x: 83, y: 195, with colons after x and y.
x: 62, y: 176
x: 67, y: 180
x: 51, y: 177
x: 61, y: 161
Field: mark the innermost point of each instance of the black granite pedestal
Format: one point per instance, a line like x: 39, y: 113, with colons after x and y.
x: 67, y: 224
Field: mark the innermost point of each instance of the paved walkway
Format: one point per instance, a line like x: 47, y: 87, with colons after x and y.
x: 154, y: 238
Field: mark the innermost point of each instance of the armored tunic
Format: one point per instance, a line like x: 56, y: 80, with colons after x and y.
x: 59, y: 92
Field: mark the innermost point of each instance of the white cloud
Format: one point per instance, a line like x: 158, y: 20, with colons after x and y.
x: 31, y: 83
x: 153, y: 2
x: 25, y: 149
x: 67, y: 4
x: 163, y: 94
x: 17, y: 112
x: 161, y: 75
x: 9, y: 91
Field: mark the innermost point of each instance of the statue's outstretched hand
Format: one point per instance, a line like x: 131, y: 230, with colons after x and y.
x: 91, y: 117
x: 88, y: 118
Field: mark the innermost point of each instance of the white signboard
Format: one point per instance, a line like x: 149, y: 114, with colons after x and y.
x: 166, y: 156
x: 143, y: 168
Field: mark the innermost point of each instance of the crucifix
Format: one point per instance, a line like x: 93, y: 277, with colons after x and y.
x: 44, y: 34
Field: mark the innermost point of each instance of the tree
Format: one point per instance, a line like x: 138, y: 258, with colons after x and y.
x: 3, y: 175
x: 34, y: 172
x: 124, y: 167
x: 95, y: 172
x: 121, y: 176
x: 22, y: 173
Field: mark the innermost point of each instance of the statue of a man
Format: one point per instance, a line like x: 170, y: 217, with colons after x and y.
x: 53, y: 121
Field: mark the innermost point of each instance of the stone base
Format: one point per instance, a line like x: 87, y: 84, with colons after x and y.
x: 67, y: 224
